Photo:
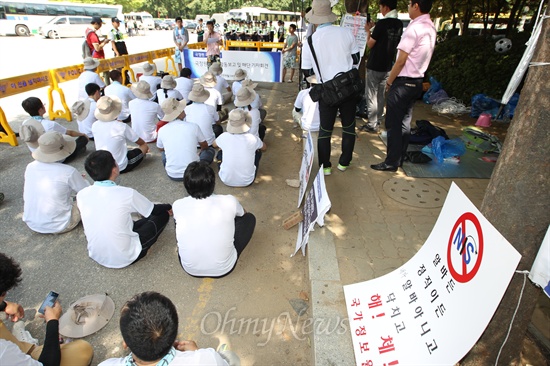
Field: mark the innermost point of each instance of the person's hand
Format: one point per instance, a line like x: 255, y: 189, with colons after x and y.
x: 52, y: 313
x: 369, y: 26
x: 170, y: 212
x: 14, y: 311
x: 186, y: 346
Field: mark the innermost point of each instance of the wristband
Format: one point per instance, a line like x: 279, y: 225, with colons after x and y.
x: 3, y: 305
x: 388, y: 84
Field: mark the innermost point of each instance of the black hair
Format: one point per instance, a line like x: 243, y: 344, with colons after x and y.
x: 185, y: 72
x: 280, y: 22
x: 115, y: 74
x: 10, y: 273
x: 199, y: 179
x: 99, y: 165
x: 392, y: 4
x: 165, y: 92
x: 308, y: 9
x: 32, y: 105
x: 179, y: 18
x: 293, y: 26
x: 92, y: 88
x: 424, y: 5
x: 210, y: 22
x: 149, y: 325
x: 200, y: 19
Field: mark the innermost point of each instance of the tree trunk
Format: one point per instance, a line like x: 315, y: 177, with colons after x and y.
x: 517, y: 203
x: 513, y: 14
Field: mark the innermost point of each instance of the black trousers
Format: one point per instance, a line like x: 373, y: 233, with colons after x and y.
x: 149, y: 229
x: 81, y: 142
x: 135, y: 157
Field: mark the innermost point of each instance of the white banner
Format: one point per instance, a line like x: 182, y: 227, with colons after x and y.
x: 305, y: 169
x: 433, y: 309
x: 540, y: 271
x: 260, y: 66
x: 356, y: 24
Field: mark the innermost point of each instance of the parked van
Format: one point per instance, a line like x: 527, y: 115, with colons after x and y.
x: 65, y: 26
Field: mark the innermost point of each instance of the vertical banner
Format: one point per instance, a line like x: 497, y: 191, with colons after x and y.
x: 260, y: 66
x: 540, y: 271
x: 356, y: 24
x: 433, y: 309
x: 305, y: 168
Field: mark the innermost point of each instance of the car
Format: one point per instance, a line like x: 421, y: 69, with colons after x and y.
x: 65, y: 26
x: 191, y: 25
x: 161, y: 25
x: 170, y: 23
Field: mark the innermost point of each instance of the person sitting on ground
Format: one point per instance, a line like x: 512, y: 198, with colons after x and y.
x: 221, y: 84
x: 50, y: 185
x: 111, y: 135
x: 257, y: 102
x: 203, y: 210
x: 184, y: 83
x: 306, y: 111
x: 208, y: 80
x: 88, y: 76
x: 149, y: 328
x: 206, y: 118
x: 153, y: 80
x: 241, y: 151
x: 36, y: 109
x: 178, y: 139
x: 145, y: 112
x: 114, y: 239
x: 240, y: 75
x: 16, y: 352
x: 84, y: 110
x: 123, y: 93
x: 167, y: 89
x: 244, y: 99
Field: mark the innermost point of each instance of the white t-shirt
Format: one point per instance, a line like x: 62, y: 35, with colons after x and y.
x: 204, y: 251
x: 203, y: 116
x: 257, y: 102
x: 179, y: 140
x: 51, y: 126
x: 86, y: 78
x: 334, y: 59
x: 47, y: 195
x: 106, y: 216
x: 11, y: 354
x: 172, y: 93
x: 154, y: 82
x: 235, y: 87
x: 256, y: 120
x: 112, y: 136
x: 239, y: 150
x: 221, y: 84
x: 310, y: 110
x: 125, y: 95
x: 145, y: 115
x: 215, y: 98
x: 184, y: 86
x: 85, y: 126
x: 200, y: 357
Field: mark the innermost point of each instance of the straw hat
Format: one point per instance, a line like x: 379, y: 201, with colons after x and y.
x: 148, y: 69
x: 198, y: 94
x: 168, y: 82
x: 172, y: 108
x: 90, y: 63
x: 30, y: 131
x: 81, y: 109
x: 321, y: 12
x: 249, y: 84
x: 86, y: 316
x: 240, y: 74
x: 245, y: 96
x: 239, y: 121
x: 53, y: 146
x: 142, y: 90
x: 216, y: 68
x: 108, y: 108
x: 208, y: 80
x: 312, y: 79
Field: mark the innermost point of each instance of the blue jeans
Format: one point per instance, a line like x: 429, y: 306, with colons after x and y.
x: 208, y: 154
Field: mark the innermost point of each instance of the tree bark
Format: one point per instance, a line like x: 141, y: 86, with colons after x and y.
x: 517, y: 203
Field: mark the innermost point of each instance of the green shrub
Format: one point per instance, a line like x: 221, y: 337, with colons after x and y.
x: 469, y: 65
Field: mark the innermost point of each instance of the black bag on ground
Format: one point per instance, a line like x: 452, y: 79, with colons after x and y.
x: 417, y: 157
x: 425, y: 132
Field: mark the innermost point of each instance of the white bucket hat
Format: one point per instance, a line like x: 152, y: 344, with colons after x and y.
x: 30, y: 131
x: 312, y: 79
x: 90, y: 63
x: 81, y: 109
x: 86, y: 316
x: 142, y: 90
x: 172, y: 108
x: 216, y: 68
x: 53, y: 146
x: 108, y: 108
x: 208, y: 80
x: 321, y: 12
x: 198, y: 94
x: 240, y: 74
x: 168, y: 82
x: 239, y: 121
x: 249, y: 84
x: 148, y: 69
x: 245, y: 96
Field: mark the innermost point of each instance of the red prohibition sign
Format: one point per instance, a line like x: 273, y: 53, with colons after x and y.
x: 465, y: 245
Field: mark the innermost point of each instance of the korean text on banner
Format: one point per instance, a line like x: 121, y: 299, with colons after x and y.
x: 24, y: 83
x: 433, y: 309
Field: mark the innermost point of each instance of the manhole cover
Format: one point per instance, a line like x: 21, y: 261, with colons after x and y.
x: 416, y: 193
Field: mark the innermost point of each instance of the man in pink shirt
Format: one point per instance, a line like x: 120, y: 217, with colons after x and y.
x: 404, y: 84
x: 213, y: 41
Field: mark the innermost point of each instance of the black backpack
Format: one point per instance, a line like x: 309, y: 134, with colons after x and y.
x: 425, y: 132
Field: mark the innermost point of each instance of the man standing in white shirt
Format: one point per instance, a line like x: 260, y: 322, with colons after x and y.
x: 114, y: 239
x: 88, y: 76
x: 206, y: 117
x: 50, y: 185
x: 111, y: 135
x: 145, y: 112
x: 122, y: 92
x: 85, y: 109
x: 180, y: 38
x: 178, y: 139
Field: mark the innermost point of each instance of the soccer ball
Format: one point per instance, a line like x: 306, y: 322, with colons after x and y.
x: 503, y: 45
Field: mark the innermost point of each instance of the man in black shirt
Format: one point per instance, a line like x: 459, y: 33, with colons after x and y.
x: 382, y: 42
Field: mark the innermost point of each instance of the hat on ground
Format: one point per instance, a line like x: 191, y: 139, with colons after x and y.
x: 216, y: 68
x: 245, y: 96
x: 168, y: 82
x: 142, y: 90
x: 208, y: 80
x: 239, y: 121
x: 148, y: 69
x: 86, y: 316
x: 312, y: 79
x: 172, y: 108
x: 30, y: 131
x: 320, y: 12
x: 240, y: 74
x: 81, y: 109
x: 96, y: 20
x: 198, y: 94
x: 108, y: 108
x: 115, y: 19
x: 53, y: 146
x: 90, y: 63
x: 249, y: 84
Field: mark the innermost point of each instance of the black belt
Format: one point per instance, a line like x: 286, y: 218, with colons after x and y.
x: 408, y: 78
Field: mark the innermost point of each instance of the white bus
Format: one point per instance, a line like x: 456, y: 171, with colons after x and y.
x: 257, y: 13
x: 23, y: 18
x: 143, y: 19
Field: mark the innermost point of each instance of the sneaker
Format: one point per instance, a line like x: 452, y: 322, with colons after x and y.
x: 327, y: 171
x: 21, y: 334
x: 342, y: 168
x: 369, y: 129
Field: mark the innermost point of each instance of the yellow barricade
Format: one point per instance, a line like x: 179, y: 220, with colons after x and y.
x: 167, y: 53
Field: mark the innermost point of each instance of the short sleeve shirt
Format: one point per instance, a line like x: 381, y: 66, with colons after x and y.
x: 387, y: 34
x: 418, y: 41
x: 112, y: 136
x: 239, y: 150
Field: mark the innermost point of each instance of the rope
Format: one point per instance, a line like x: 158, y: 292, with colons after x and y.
x: 451, y: 106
